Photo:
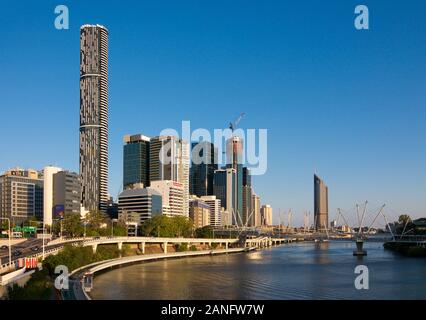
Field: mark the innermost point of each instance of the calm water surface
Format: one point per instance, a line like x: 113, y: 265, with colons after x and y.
x: 294, y: 271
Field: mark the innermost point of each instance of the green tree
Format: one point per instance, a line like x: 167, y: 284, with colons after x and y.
x: 204, y: 232
x: 404, y: 219
x: 72, y: 226
x: 404, y: 224
x: 163, y: 226
x: 120, y: 229
x: 95, y: 219
x: 39, y: 287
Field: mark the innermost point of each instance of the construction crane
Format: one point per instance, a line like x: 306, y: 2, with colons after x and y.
x: 233, y: 125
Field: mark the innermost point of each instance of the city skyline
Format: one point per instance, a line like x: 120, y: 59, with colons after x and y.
x: 366, y: 147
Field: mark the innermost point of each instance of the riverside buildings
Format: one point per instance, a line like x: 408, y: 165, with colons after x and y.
x: 94, y: 117
x: 140, y: 203
x: 172, y: 194
x: 199, y: 212
x: 164, y: 158
x: 169, y: 160
x: 214, y: 204
x: 320, y: 204
x: 21, y: 195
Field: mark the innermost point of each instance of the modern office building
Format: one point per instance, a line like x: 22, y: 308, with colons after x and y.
x: 204, y: 161
x: 257, y: 218
x: 247, y: 193
x: 224, y: 188
x: 199, y: 212
x: 169, y: 160
x: 320, y: 204
x: 136, y: 160
x: 66, y: 193
x: 172, y: 194
x: 235, y: 159
x: 266, y: 213
x: 94, y: 117
x: 21, y: 195
x: 48, y: 173
x: 214, y: 204
x: 139, y: 204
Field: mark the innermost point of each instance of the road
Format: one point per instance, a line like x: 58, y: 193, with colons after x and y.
x: 25, y: 248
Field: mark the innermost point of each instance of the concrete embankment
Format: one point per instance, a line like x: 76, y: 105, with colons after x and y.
x: 76, y: 281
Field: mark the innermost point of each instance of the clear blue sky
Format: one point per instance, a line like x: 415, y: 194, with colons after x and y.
x: 349, y: 104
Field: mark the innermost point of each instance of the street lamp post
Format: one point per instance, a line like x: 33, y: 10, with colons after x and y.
x: 10, y: 246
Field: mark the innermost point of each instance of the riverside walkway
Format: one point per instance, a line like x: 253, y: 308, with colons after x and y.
x: 78, y: 277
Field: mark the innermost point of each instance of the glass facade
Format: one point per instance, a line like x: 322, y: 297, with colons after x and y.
x: 136, y: 163
x: 202, y: 174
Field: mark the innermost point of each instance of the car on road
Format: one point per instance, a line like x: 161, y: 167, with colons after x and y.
x: 35, y: 248
x: 4, y: 247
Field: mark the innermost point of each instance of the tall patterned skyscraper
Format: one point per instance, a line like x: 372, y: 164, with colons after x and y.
x: 94, y: 116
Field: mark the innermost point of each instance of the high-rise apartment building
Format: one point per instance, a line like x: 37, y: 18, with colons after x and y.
x: 214, y: 204
x: 136, y: 160
x: 21, y: 195
x: 169, y: 160
x: 203, y: 165
x: 94, y: 116
x: 320, y: 204
x: 172, y: 194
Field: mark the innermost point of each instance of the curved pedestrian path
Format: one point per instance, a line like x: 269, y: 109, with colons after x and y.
x: 76, y: 291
